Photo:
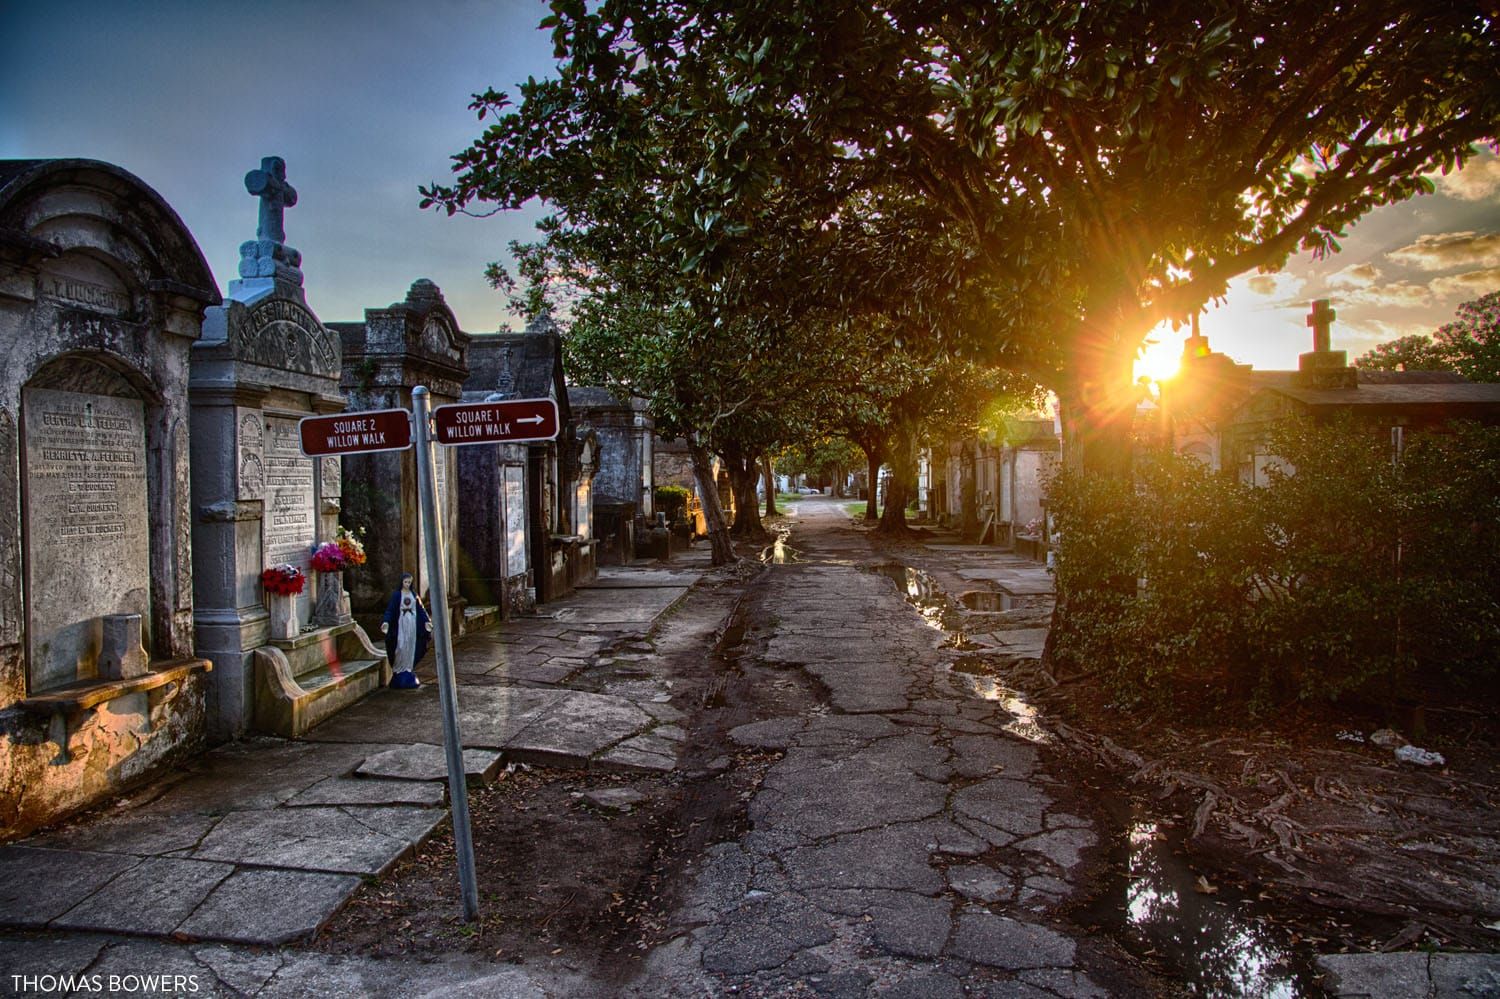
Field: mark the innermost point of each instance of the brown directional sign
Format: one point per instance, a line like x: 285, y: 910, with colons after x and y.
x: 496, y: 422
x: 355, y: 433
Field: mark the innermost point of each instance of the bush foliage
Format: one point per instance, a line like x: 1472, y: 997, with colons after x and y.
x: 1348, y: 574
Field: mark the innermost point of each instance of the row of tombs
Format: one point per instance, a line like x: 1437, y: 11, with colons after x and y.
x: 149, y: 444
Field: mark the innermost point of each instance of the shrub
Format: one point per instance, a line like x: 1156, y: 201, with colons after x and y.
x: 1348, y: 573
x: 673, y: 501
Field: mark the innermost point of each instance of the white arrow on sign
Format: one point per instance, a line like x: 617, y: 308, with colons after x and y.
x: 530, y: 419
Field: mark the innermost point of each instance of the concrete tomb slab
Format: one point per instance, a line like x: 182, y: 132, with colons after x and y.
x: 316, y: 839
x: 370, y: 791
x: 151, y: 898
x: 270, y: 907
x: 425, y: 762
x: 37, y: 886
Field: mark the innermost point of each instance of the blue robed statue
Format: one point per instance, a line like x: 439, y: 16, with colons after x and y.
x: 405, y: 627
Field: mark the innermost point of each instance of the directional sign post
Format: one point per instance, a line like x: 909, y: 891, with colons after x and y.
x: 432, y: 537
x: 391, y: 430
x: 356, y: 433
x: 509, y: 421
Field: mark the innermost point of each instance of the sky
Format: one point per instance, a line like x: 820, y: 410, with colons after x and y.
x: 367, y: 99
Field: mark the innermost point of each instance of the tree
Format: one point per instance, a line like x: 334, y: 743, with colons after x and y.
x: 1414, y: 352
x: 1471, y: 342
x: 1469, y: 345
x: 1090, y: 168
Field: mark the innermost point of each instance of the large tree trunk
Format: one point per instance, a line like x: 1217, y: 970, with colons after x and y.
x: 744, y: 471
x: 874, y: 455
x: 903, y: 483
x: 838, y: 481
x: 768, y: 474
x: 968, y: 491
x: 713, y: 510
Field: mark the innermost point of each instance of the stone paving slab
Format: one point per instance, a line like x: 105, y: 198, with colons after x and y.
x: 38, y: 885
x: 425, y: 762
x: 269, y: 906
x: 315, y: 839
x: 152, y: 898
x: 136, y: 832
x: 578, y: 726
x: 1411, y: 975
x: 370, y: 791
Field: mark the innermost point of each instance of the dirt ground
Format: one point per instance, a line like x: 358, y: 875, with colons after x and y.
x: 1347, y: 848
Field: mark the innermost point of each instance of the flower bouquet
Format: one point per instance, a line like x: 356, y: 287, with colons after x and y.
x: 351, y: 543
x: 328, y: 557
x: 283, y: 580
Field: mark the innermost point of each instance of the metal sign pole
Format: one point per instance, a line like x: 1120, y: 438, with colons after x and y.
x: 432, y: 538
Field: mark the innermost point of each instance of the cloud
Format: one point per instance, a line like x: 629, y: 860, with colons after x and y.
x: 1478, y: 180
x: 1354, y: 276
x: 1439, y: 251
x: 1392, y: 294
x: 1469, y: 283
x: 1281, y: 286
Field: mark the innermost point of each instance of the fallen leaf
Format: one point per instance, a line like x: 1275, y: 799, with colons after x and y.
x: 1202, y: 886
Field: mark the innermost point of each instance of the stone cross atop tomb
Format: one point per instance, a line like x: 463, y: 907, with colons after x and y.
x: 275, y: 194
x: 266, y: 259
x: 1323, y: 367
x: 1321, y: 320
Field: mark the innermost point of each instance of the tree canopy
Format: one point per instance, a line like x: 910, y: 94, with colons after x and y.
x: 1034, y: 183
x: 1470, y: 345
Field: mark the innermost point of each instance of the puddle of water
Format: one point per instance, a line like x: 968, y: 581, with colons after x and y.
x: 978, y: 675
x: 780, y: 553
x: 1219, y: 945
x: 923, y: 593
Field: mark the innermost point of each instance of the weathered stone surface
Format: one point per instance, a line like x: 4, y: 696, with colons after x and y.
x: 614, y: 799
x: 1011, y: 805
x: 141, y: 833
x: 627, y: 758
x: 981, y: 883
x: 318, y: 839
x: 49, y: 954
x: 762, y: 934
x: 773, y: 733
x: 423, y: 761
x: 1068, y: 984
x: 150, y: 898
x: 1410, y: 975
x: 806, y: 794
x: 1064, y: 847
x: 244, y: 970
x: 982, y: 756
x: 371, y: 791
x: 269, y: 907
x: 985, y: 938
x: 577, y: 727
x: 894, y: 858
x: 37, y: 886
x: 912, y: 926
x: 930, y: 986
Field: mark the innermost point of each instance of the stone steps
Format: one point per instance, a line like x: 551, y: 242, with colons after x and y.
x: 480, y: 617
x: 302, y: 681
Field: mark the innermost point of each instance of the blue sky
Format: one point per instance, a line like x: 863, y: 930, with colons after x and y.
x: 366, y: 100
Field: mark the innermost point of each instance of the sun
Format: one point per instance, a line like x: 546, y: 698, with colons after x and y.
x: 1161, y: 357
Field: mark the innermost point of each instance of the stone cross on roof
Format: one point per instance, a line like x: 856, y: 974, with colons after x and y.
x: 1320, y: 319
x: 269, y: 184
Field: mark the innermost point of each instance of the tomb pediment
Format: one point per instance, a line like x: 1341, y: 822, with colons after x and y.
x: 281, y: 333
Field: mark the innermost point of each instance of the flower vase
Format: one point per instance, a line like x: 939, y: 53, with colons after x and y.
x: 332, y: 607
x: 284, y: 623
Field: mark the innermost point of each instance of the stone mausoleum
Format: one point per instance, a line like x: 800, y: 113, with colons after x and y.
x: 102, y: 292
x: 525, y: 531
x: 265, y: 362
x: 413, y: 342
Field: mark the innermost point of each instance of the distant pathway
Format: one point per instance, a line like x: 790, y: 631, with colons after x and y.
x: 905, y: 844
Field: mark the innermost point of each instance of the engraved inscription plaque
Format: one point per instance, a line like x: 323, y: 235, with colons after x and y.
x: 87, y: 545
x: 515, y: 520
x: 288, y: 524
